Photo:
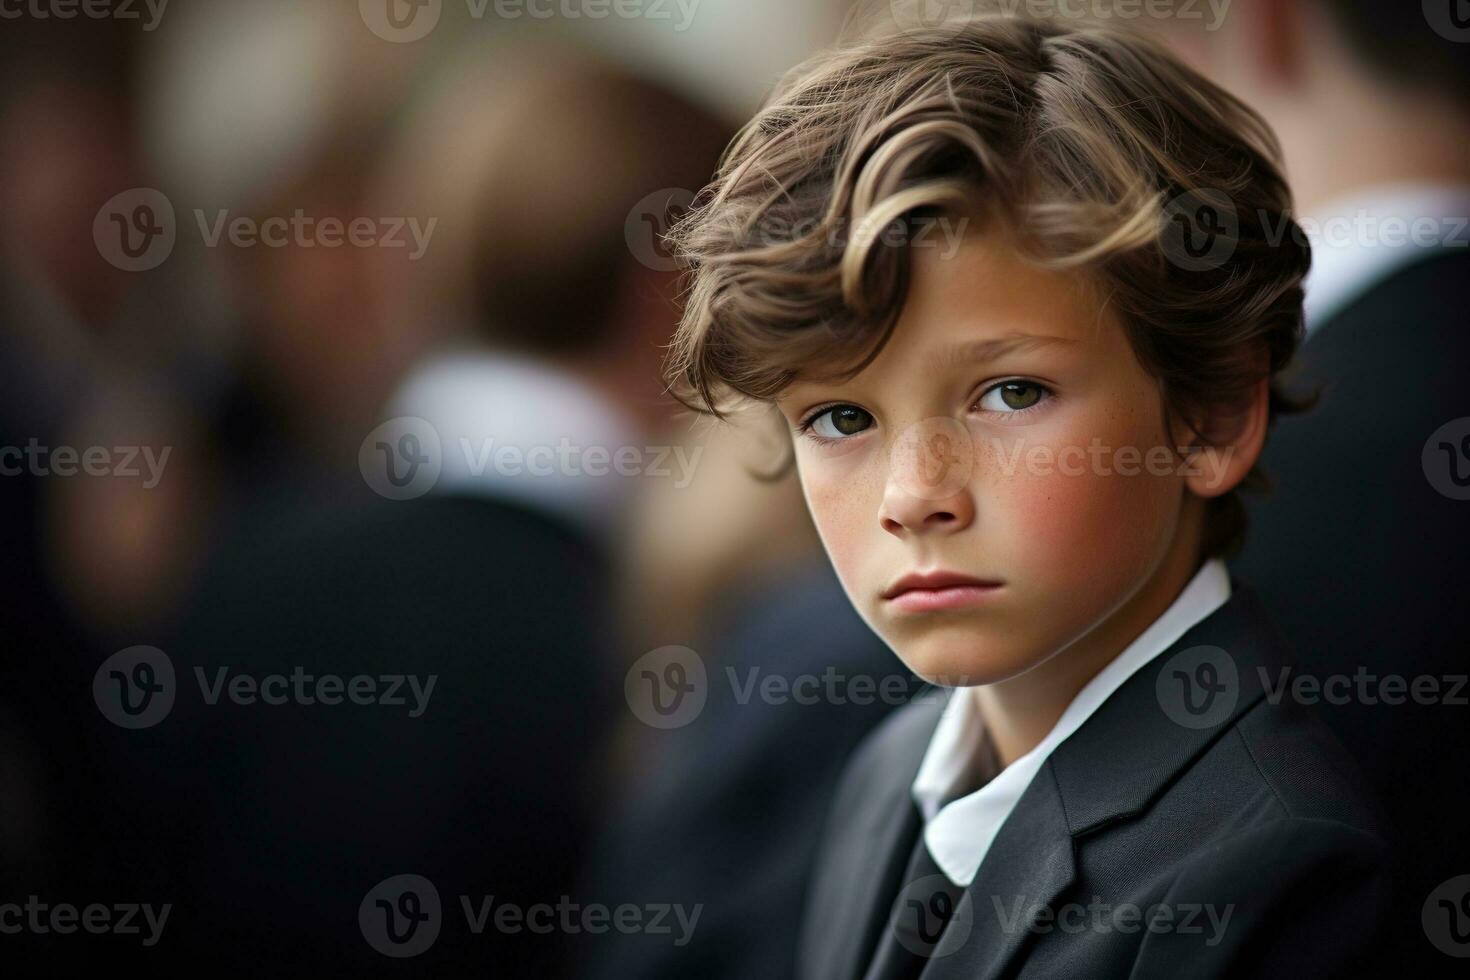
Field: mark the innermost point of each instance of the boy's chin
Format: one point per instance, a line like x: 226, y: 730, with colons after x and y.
x: 962, y: 661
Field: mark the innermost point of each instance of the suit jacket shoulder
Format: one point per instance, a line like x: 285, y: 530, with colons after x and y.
x: 1196, y: 790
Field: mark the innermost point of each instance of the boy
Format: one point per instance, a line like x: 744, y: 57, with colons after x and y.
x: 1018, y: 290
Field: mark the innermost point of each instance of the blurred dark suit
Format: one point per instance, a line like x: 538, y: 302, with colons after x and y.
x: 732, y: 811
x: 46, y: 762
x: 289, y: 814
x: 1364, y: 564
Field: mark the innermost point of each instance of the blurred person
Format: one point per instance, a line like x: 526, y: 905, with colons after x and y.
x: 317, y: 352
x: 88, y: 557
x: 490, y: 585
x: 1371, y: 99
x: 76, y: 330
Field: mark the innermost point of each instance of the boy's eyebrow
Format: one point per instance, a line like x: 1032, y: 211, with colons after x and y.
x: 974, y: 351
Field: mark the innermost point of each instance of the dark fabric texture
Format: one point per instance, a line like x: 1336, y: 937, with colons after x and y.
x: 1251, y: 811
x: 267, y: 825
x: 1365, y: 565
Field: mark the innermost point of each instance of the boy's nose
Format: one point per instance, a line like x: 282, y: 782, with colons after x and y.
x: 904, y: 513
x: 929, y: 469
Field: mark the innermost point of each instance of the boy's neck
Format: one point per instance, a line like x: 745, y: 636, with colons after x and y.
x: 1021, y: 711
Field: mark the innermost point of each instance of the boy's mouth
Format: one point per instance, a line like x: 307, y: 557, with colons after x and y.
x: 939, y: 589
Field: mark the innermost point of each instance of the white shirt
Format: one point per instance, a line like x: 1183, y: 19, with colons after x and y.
x: 482, y: 402
x: 1362, y: 238
x: 960, y: 833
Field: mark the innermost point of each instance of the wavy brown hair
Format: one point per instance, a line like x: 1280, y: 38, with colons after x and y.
x: 1092, y: 148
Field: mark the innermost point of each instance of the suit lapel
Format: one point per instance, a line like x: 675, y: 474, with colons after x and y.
x: 1164, y: 716
x: 1112, y: 767
x: 1027, y: 867
x: 869, y: 853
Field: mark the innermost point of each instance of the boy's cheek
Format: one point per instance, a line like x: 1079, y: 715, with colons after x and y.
x: 844, y: 509
x: 1071, y: 530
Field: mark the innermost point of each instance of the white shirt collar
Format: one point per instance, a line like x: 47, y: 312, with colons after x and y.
x: 481, y: 401
x: 959, y: 834
x: 1362, y: 238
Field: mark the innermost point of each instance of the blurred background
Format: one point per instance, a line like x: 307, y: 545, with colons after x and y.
x: 329, y: 347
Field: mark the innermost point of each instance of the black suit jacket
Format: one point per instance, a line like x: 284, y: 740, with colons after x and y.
x: 1256, y: 816
x: 1364, y: 565
x: 266, y: 825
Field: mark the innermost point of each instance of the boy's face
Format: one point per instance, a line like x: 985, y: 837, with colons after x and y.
x: 990, y: 440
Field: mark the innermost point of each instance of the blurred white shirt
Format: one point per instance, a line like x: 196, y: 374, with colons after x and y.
x: 518, y: 429
x: 1360, y: 239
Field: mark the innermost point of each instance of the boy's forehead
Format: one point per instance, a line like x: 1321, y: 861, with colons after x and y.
x: 986, y: 300
x: 982, y: 302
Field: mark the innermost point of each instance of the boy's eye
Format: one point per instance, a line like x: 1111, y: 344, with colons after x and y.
x: 839, y: 422
x: 1012, y: 396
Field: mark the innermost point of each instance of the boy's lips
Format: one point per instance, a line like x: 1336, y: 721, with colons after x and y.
x: 929, y: 591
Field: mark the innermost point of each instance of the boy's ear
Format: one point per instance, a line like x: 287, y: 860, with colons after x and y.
x: 1228, y: 442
